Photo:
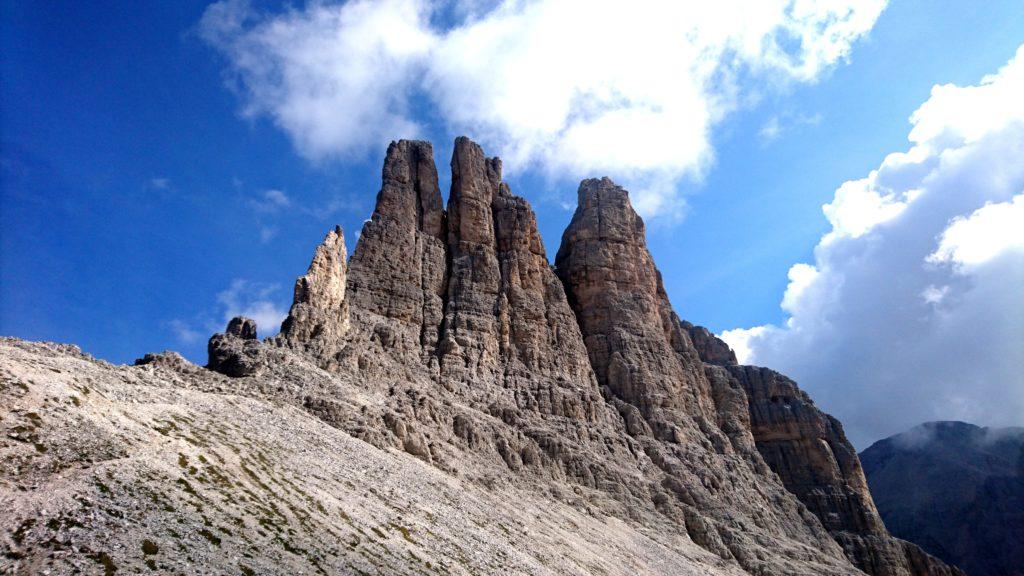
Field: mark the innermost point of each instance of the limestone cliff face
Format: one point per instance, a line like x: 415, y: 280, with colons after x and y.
x: 448, y: 336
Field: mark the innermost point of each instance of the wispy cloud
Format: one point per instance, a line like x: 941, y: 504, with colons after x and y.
x: 267, y: 233
x: 261, y: 302
x: 183, y: 332
x: 779, y: 124
x: 270, y: 201
x: 770, y: 130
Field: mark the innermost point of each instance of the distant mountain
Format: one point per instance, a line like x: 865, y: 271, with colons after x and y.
x: 956, y: 490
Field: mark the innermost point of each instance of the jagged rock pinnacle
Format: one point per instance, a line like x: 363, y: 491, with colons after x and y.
x: 396, y: 275
x: 319, y: 311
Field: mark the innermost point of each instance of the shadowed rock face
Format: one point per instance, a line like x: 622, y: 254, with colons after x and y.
x: 448, y: 337
x: 811, y: 455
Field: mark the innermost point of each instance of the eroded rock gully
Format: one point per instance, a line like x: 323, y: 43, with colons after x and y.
x: 574, y: 389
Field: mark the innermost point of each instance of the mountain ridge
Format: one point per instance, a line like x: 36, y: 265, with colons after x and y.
x: 448, y: 336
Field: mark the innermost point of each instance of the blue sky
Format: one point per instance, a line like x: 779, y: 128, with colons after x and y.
x: 140, y: 204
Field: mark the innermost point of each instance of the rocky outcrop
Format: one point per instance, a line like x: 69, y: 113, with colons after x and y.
x: 236, y: 352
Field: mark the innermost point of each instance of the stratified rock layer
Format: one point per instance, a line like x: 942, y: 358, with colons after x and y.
x: 574, y: 392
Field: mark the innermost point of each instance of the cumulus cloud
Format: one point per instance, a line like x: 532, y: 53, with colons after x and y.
x: 913, y: 309
x: 574, y: 88
x: 184, y: 332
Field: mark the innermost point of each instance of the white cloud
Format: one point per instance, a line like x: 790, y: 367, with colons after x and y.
x: 912, y: 310
x: 860, y: 205
x: 801, y: 278
x: 335, y: 78
x: 253, y: 300
x: 984, y: 235
x: 160, y: 183
x: 576, y: 88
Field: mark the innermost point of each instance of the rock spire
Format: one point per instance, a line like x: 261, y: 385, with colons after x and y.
x: 319, y: 312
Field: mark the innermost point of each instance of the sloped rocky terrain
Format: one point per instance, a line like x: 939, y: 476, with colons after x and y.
x: 444, y: 401
x: 955, y: 489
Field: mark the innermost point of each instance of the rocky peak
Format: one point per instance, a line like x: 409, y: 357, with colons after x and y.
x: 396, y: 278
x: 409, y: 192
x: 476, y: 180
x: 506, y: 315
x: 635, y: 341
x: 711, y: 348
x: 319, y: 312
